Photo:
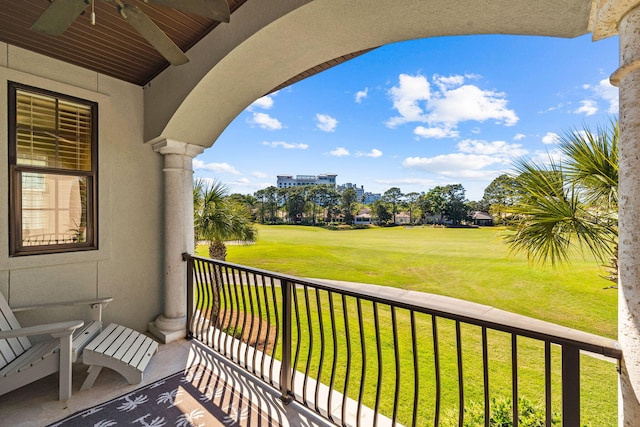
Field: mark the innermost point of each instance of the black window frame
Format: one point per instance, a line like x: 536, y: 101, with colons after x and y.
x: 16, y: 247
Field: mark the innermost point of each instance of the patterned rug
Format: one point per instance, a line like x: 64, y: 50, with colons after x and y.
x: 198, y: 397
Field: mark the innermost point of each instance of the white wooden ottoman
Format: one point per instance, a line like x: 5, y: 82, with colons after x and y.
x: 119, y: 348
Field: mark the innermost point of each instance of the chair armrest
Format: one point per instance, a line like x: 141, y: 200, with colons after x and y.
x: 96, y: 304
x: 53, y: 329
x: 102, y: 301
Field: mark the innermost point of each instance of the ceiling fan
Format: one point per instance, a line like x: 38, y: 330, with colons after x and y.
x: 61, y: 13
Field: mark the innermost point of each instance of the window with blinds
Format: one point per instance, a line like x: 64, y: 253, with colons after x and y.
x: 53, y: 141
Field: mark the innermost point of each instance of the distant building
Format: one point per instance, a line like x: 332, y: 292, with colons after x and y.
x: 363, y: 217
x: 369, y: 198
x: 359, y: 191
x: 482, y: 218
x: 403, y: 218
x: 287, y: 181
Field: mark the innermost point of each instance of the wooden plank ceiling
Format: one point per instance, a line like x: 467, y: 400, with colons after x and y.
x: 112, y: 46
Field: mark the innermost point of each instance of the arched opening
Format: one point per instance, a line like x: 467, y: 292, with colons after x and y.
x: 296, y: 141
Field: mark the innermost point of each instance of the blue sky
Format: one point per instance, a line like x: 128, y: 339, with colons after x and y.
x: 416, y: 114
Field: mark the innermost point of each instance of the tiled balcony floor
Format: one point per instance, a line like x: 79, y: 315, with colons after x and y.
x: 36, y: 405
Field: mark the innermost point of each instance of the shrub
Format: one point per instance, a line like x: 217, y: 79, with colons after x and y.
x: 529, y: 414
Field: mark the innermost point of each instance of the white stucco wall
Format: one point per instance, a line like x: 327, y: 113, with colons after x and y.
x: 128, y: 264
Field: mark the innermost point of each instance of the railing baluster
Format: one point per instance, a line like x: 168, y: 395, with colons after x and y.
x: 396, y: 352
x: 310, y: 352
x: 322, y: 346
x: 345, y: 391
x: 268, y: 326
x: 485, y: 374
x: 190, y: 296
x: 570, y: 386
x: 334, y: 337
x: 547, y: 382
x: 285, y: 370
x: 240, y: 308
x: 514, y: 379
x: 256, y: 288
x: 227, y: 314
x: 416, y: 370
x: 436, y: 363
x: 200, y: 277
x: 460, y: 375
x: 376, y: 324
x: 204, y: 280
x: 250, y: 280
x: 363, y: 356
x: 298, y: 341
x: 277, y: 343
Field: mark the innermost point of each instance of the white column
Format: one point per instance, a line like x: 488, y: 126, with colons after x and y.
x: 623, y: 17
x: 178, y: 235
x: 628, y: 79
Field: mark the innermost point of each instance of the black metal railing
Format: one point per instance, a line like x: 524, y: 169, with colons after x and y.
x: 373, y: 355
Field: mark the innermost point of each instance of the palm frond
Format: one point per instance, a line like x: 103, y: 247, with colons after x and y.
x: 554, y: 218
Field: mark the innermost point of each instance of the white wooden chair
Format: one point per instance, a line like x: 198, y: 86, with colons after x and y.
x: 23, y: 362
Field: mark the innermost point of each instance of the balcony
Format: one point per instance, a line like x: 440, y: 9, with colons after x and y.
x: 369, y: 355
x: 311, y: 352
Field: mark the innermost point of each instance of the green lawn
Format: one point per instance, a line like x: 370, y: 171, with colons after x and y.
x: 471, y: 264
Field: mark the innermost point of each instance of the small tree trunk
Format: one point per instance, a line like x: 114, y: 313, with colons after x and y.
x: 218, y: 250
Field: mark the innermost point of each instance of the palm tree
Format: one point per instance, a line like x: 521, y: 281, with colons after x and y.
x: 218, y: 219
x: 572, y: 203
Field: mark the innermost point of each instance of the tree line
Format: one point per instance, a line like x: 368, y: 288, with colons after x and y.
x: 319, y: 204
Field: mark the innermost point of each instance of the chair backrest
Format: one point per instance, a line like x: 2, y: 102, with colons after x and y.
x: 13, y: 347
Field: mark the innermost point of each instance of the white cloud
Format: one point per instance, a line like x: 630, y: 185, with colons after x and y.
x: 459, y: 165
x: 265, y: 121
x: 474, y: 160
x: 406, y: 181
x: 362, y: 94
x: 519, y: 136
x: 436, y: 132
x: 603, y: 91
x: 609, y: 93
x: 551, y: 138
x: 266, y: 102
x: 588, y: 107
x: 453, y: 102
x: 259, y: 174
x: 285, y: 145
x: 553, y: 108
x: 326, y: 123
x: 215, y: 167
x: 500, y: 149
x: 554, y: 155
x: 339, y: 152
x: 406, y: 97
x: 241, y: 181
x: 447, y: 82
x: 469, y: 102
x: 375, y: 153
x: 582, y: 133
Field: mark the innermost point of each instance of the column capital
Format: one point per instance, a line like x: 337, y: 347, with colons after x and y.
x: 606, y: 15
x: 172, y: 146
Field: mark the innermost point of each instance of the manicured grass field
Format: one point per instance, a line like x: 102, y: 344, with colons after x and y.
x: 471, y: 264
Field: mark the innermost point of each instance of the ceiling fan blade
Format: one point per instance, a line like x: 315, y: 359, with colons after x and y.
x: 59, y: 16
x: 154, y: 35
x: 214, y: 9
